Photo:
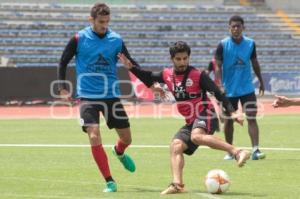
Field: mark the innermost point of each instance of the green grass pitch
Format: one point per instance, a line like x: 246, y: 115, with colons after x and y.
x: 70, y: 172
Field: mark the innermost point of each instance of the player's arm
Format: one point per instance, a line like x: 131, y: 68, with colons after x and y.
x: 219, y: 63
x: 282, y: 101
x: 149, y: 78
x: 67, y: 55
x: 210, y: 67
x: 207, y: 84
x: 256, y: 68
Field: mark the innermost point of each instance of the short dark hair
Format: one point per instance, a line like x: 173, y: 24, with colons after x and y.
x: 100, y: 9
x: 179, y: 47
x: 236, y: 18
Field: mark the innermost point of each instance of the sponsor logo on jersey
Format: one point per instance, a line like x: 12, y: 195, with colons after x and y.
x: 189, y: 82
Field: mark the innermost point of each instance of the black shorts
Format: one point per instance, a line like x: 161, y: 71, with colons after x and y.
x: 112, y: 110
x: 210, y: 125
x: 249, y: 102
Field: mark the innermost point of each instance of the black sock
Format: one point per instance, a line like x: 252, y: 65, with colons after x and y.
x: 109, y: 179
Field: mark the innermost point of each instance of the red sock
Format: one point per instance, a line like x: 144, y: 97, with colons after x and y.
x: 120, y: 147
x: 101, y: 160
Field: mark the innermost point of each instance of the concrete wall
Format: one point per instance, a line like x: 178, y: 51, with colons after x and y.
x: 28, y: 83
x: 293, y: 5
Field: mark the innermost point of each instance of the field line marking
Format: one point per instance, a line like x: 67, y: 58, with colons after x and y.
x: 51, y: 196
x: 131, y: 146
x: 207, y: 195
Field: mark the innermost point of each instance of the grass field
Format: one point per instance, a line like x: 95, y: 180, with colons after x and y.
x: 69, y: 171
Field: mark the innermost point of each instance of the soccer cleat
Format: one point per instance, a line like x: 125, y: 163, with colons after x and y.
x: 126, y: 160
x: 257, y: 155
x: 241, y: 157
x: 228, y: 157
x: 174, y: 188
x: 111, y: 186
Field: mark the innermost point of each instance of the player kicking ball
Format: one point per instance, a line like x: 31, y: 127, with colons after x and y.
x: 189, y: 86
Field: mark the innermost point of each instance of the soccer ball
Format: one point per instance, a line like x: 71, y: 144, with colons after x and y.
x: 217, y: 181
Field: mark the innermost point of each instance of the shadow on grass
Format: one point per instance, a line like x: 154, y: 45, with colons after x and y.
x: 228, y: 194
x: 144, y: 190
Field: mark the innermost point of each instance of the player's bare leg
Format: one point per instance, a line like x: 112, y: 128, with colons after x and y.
x: 228, y: 131
x: 177, y: 163
x: 253, y: 131
x: 199, y: 137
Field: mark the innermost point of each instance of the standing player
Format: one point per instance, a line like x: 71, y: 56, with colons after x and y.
x: 96, y: 48
x: 282, y: 101
x: 235, y: 55
x: 189, y: 86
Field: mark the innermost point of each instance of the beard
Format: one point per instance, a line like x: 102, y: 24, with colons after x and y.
x: 181, y: 68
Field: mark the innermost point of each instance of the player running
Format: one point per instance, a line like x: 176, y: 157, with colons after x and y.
x: 96, y: 48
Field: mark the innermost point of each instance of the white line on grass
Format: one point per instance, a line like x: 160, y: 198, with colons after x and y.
x: 131, y: 146
x: 207, y: 195
x: 50, y: 196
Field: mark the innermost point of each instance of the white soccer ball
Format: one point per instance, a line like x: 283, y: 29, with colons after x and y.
x: 217, y: 181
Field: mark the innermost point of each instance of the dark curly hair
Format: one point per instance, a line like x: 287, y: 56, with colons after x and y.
x: 179, y: 47
x: 100, y: 9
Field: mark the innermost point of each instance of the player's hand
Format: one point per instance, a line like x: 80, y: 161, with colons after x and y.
x: 237, y: 117
x: 65, y: 95
x: 261, y: 90
x: 281, y: 101
x: 157, y: 89
x: 125, y: 61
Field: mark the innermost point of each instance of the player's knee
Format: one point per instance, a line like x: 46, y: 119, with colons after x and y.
x: 251, y: 121
x: 176, y: 147
x: 94, y: 134
x: 228, y: 122
x: 251, y: 116
x: 127, y: 140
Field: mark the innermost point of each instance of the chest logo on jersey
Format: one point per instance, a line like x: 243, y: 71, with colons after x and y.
x: 239, y: 62
x: 189, y: 82
x: 99, y: 65
x: 101, y: 61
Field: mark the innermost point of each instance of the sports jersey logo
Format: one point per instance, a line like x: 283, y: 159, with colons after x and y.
x: 179, y: 92
x: 239, y: 62
x: 189, y: 82
x: 101, y: 61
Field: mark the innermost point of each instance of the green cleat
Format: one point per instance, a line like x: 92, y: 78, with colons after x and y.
x: 111, y: 186
x: 126, y: 160
x: 257, y: 155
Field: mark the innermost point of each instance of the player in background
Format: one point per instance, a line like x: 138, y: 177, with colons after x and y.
x: 211, y: 72
x: 235, y: 56
x: 189, y: 86
x: 282, y: 101
x: 96, y: 48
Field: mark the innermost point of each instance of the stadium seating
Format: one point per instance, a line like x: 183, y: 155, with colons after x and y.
x: 34, y: 35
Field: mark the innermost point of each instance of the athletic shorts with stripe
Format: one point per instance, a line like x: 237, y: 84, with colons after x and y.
x: 112, y: 110
x: 209, y: 124
x: 249, y: 102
